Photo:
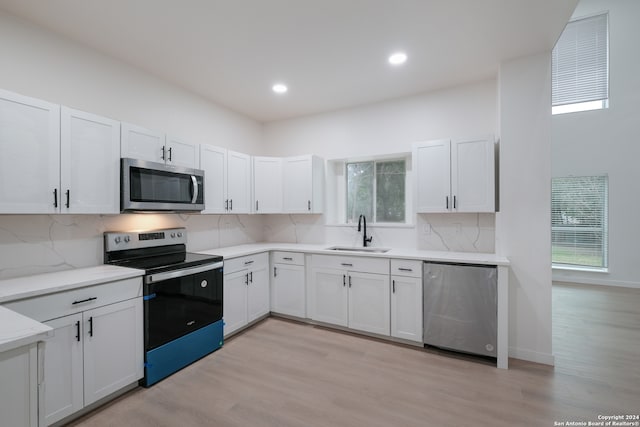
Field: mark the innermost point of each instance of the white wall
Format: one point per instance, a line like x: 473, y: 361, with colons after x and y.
x: 523, y: 225
x: 387, y: 128
x: 606, y: 142
x: 43, y: 65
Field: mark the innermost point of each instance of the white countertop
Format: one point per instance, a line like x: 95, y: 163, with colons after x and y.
x: 17, y: 330
x: 439, y: 256
x: 40, y: 284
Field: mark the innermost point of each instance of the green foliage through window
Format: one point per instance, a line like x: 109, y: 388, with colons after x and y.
x: 376, y: 187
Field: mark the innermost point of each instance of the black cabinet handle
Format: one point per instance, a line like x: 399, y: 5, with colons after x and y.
x: 226, y: 205
x: 274, y: 272
x: 256, y: 206
x: 230, y: 204
x: 68, y: 197
x: 91, y: 326
x: 393, y: 286
x: 404, y: 269
x: 170, y: 159
x: 248, y: 262
x: 447, y: 202
x: 349, y: 281
x: 454, y: 202
x: 246, y: 279
x: 251, y: 277
x: 163, y: 154
x: 55, y: 197
x: 78, y: 331
x: 84, y: 300
x: 344, y: 280
x: 309, y: 205
x: 346, y: 264
x: 287, y: 258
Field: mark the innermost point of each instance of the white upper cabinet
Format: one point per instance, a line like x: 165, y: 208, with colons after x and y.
x: 303, y: 184
x: 30, y: 160
x: 455, y: 176
x: 227, y: 177
x: 238, y: 182
x: 89, y: 163
x: 267, y: 184
x: 213, y: 161
x: 153, y: 146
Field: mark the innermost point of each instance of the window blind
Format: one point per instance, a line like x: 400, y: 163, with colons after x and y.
x: 579, y: 220
x: 580, y: 62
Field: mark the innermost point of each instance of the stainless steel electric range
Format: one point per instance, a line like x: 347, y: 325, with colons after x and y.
x: 182, y: 297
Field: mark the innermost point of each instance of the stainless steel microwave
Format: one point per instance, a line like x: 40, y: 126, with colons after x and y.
x: 150, y: 186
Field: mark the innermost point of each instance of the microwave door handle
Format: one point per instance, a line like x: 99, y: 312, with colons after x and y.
x: 194, y: 181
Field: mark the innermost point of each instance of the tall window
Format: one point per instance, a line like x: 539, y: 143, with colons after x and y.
x: 579, y: 221
x: 376, y: 189
x: 580, y: 66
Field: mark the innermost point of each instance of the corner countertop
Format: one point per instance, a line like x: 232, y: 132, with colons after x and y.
x: 394, y: 253
x: 17, y: 330
x: 40, y: 284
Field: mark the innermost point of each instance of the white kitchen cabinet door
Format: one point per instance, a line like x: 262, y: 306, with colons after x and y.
x: 30, y: 160
x: 63, y: 365
x: 238, y: 182
x: 369, y: 304
x: 473, y: 175
x: 406, y: 308
x: 303, y: 184
x: 288, y: 290
x: 213, y: 161
x: 329, y: 296
x: 267, y: 184
x: 235, y: 301
x: 432, y: 168
x: 89, y: 163
x: 181, y: 153
x: 258, y: 298
x: 113, y: 348
x: 19, y: 386
x: 143, y: 144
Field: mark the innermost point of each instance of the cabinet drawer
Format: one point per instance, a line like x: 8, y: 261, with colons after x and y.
x: 52, y: 306
x: 293, y: 258
x: 352, y: 263
x: 243, y: 263
x: 403, y: 267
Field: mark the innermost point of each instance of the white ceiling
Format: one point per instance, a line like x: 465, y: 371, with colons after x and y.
x: 331, y: 53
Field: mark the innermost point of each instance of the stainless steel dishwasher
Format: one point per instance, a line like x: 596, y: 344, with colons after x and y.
x: 460, y: 307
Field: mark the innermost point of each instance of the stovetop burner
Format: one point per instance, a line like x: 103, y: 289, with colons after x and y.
x: 153, y: 251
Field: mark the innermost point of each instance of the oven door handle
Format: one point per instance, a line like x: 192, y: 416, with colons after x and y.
x: 153, y: 278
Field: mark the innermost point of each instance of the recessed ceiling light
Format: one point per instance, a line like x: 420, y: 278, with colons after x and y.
x: 279, y: 88
x: 398, y: 58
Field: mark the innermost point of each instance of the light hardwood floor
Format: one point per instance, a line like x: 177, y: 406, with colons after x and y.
x: 282, y: 373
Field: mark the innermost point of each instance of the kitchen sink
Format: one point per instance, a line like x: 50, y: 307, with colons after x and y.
x: 359, y: 249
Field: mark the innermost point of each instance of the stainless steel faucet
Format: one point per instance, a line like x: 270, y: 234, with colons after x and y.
x: 365, y: 240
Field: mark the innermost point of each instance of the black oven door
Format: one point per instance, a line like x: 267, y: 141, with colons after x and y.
x: 179, y: 302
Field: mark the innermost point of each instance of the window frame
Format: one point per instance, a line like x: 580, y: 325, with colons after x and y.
x: 579, y: 104
x: 604, y: 229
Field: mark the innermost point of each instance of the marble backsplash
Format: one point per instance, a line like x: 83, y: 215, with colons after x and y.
x: 32, y: 244
x: 460, y: 232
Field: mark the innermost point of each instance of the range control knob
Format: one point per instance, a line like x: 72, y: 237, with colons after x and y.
x: 179, y: 233
x: 127, y: 239
x: 117, y: 239
x: 173, y: 235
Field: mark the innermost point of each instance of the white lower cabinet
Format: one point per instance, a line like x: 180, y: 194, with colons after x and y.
x: 406, y: 299
x: 97, y: 347
x: 19, y: 386
x: 351, y: 292
x: 288, y: 294
x: 246, y: 291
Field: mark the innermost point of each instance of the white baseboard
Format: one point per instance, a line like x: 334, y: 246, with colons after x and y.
x: 532, y: 356
x: 595, y: 281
